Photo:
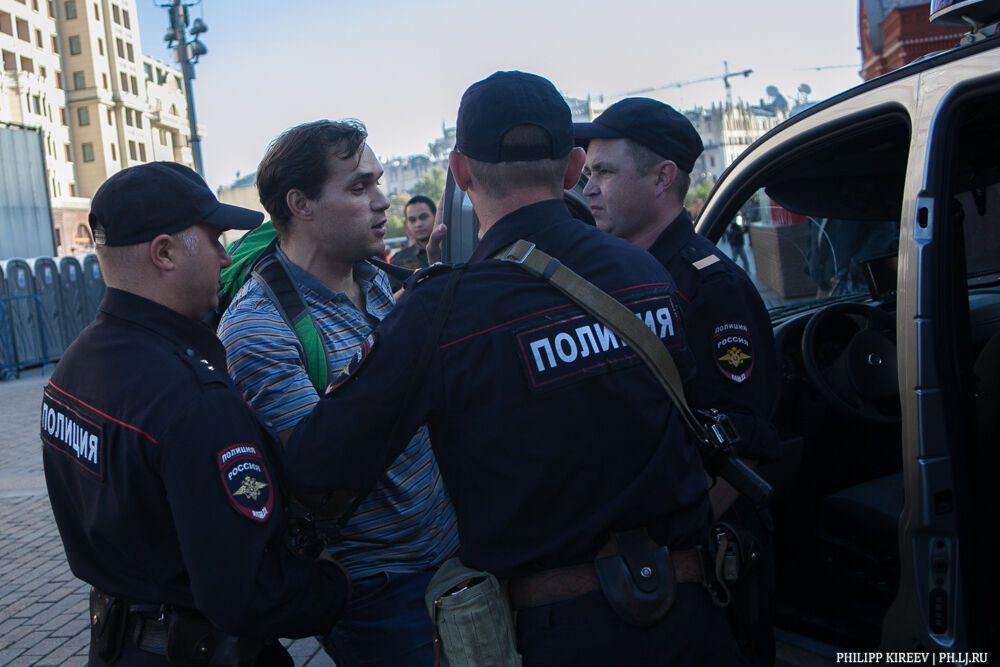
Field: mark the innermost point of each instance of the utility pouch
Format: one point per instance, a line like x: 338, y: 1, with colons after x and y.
x: 191, y: 638
x: 637, y: 577
x: 472, y: 619
x: 735, y: 550
x: 108, y: 621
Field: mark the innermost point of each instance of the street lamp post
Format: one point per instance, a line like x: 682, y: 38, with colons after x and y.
x: 188, y: 52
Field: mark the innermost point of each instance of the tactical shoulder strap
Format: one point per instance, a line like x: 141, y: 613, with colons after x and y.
x: 288, y: 301
x: 713, y: 445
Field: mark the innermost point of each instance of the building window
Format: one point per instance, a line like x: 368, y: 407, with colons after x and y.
x: 116, y: 14
x: 5, y: 24
x: 131, y: 54
x: 135, y: 85
x: 9, y: 62
x: 74, y: 45
x: 120, y: 47
x: 149, y: 71
x: 97, y: 13
x: 79, y: 82
x: 128, y: 117
x: 52, y: 9
x: 100, y: 46
x: 104, y: 80
x: 111, y: 118
x: 42, y: 72
x: 70, y: 6
x: 142, y: 152
x: 125, y: 20
x: 38, y: 39
x: 55, y: 44
x: 83, y: 116
x: 124, y: 78
x: 72, y: 189
x: 36, y: 105
x: 114, y: 152
x: 88, y: 152
x: 27, y: 64
x: 34, y: 5
x: 62, y: 116
x: 22, y: 30
x: 131, y: 150
x: 138, y: 119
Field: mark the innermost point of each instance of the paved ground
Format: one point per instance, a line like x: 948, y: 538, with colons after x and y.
x: 43, y: 607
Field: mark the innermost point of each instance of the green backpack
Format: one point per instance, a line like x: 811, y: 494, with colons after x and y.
x: 253, y: 255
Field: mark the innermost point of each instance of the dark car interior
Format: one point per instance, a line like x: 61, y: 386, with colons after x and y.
x: 839, y: 486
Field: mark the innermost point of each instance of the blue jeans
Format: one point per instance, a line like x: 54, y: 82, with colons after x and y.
x: 386, y: 623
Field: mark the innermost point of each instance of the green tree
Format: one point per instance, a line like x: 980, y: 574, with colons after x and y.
x: 431, y: 184
x: 697, y: 194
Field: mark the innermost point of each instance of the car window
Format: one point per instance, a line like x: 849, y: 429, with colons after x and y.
x: 813, y: 221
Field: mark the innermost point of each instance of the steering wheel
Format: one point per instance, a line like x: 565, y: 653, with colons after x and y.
x: 862, y: 380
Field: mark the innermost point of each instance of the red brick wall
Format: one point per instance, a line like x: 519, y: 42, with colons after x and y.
x: 907, y: 34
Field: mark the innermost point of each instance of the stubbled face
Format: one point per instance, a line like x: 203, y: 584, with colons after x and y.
x: 619, y: 196
x: 419, y: 222
x: 349, y: 212
x: 202, y: 257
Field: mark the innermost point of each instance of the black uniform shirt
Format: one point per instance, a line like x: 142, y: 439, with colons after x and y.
x: 549, y: 432
x: 161, y: 479
x: 729, y: 333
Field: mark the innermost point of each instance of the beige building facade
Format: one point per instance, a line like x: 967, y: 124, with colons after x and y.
x: 74, y: 69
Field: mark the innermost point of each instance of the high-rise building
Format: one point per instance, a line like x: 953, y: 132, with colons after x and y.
x: 74, y: 69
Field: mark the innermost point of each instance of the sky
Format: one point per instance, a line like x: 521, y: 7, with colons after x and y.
x: 401, y: 66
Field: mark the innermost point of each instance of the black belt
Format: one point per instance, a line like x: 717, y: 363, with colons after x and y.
x: 147, y: 629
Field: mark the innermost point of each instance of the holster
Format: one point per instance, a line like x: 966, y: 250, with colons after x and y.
x: 190, y: 638
x: 108, y: 621
x: 637, y: 577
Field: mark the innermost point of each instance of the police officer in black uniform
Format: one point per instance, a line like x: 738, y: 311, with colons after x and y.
x: 162, y: 481
x: 550, y: 433
x: 640, y: 153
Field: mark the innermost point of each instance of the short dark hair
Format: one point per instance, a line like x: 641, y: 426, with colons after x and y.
x: 421, y: 199
x: 645, y: 159
x: 297, y: 160
x: 500, y: 178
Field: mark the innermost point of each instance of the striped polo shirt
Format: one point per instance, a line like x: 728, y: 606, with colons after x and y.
x: 407, y: 522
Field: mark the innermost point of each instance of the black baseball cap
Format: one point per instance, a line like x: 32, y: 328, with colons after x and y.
x: 504, y: 100
x: 651, y: 123
x: 139, y: 203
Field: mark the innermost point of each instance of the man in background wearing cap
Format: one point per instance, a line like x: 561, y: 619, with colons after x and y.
x: 548, y: 434
x: 162, y: 481
x: 319, y: 182
x: 640, y: 154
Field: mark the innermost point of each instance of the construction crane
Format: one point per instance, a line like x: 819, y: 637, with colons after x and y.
x: 725, y: 76
x: 820, y: 68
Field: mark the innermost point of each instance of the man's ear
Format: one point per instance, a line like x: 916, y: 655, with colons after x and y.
x: 666, y: 176
x: 298, y: 204
x: 574, y: 167
x: 460, y: 170
x: 162, y: 252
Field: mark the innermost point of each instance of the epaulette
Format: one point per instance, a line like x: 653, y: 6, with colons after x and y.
x: 704, y: 261
x: 206, y: 373
x: 423, y: 275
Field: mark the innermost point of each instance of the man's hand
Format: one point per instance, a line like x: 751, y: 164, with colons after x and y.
x: 435, y: 242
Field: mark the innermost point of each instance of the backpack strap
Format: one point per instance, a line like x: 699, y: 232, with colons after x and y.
x: 288, y: 301
x: 400, y: 273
